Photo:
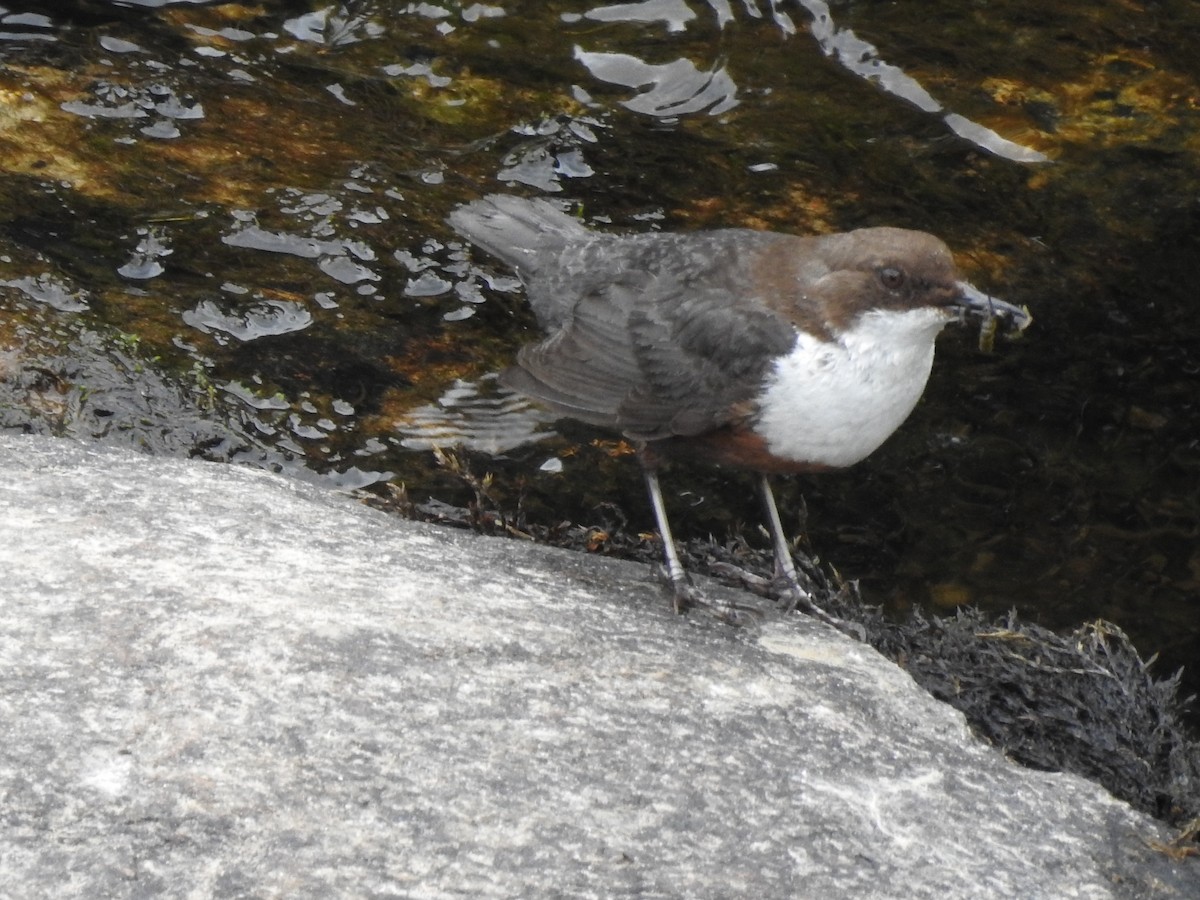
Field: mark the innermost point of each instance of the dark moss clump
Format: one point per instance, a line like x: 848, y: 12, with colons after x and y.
x: 1084, y: 702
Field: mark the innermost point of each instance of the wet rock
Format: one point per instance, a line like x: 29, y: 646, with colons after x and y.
x: 222, y: 682
x: 79, y: 383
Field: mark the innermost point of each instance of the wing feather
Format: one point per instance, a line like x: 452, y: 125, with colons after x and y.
x: 654, y: 357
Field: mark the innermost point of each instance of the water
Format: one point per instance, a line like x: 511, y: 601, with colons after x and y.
x: 243, y: 205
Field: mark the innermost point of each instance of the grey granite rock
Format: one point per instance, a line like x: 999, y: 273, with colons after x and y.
x: 218, y: 682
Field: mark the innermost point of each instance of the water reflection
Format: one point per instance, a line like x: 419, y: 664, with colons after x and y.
x: 333, y: 27
x: 158, y: 4
x: 672, y: 89
x: 230, y: 33
x: 339, y: 258
x: 117, y: 101
x: 263, y: 318
x: 677, y: 15
x: 551, y: 150
x: 252, y: 399
x: 863, y: 59
x: 477, y: 11
x: 25, y: 26
x: 679, y: 87
x: 417, y: 70
x: 119, y: 45
x: 50, y: 290
x: 144, y: 263
x: 480, y: 415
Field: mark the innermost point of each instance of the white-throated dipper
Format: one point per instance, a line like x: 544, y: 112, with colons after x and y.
x: 764, y: 351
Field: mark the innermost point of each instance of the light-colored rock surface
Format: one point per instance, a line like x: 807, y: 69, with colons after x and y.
x: 218, y: 682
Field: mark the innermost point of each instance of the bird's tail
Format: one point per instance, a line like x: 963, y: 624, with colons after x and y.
x: 515, y: 230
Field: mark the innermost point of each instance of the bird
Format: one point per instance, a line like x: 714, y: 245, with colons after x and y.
x: 761, y: 351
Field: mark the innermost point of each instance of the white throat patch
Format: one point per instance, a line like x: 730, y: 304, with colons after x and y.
x: 834, y: 402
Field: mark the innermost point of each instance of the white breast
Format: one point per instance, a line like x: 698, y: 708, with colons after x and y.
x: 834, y: 402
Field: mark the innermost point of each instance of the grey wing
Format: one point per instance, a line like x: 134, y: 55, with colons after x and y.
x: 586, y: 368
x: 677, y: 364
x: 702, y: 361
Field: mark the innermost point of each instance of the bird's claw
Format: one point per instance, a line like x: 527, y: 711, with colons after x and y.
x: 684, y: 596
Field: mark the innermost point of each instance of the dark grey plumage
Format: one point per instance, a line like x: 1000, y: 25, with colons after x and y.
x: 649, y: 334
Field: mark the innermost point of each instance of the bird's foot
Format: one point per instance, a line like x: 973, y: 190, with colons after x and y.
x: 729, y: 612
x: 792, y: 597
x: 686, y: 597
x: 795, y: 597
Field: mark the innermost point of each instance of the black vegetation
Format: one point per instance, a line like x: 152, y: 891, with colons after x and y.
x: 1084, y: 702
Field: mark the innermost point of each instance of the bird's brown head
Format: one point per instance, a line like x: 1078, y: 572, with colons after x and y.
x: 842, y: 276
x: 885, y: 269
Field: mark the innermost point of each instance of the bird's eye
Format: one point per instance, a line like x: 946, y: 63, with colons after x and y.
x: 891, y: 278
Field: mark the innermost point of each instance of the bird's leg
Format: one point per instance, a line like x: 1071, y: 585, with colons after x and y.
x: 784, y: 566
x: 679, y: 580
x: 684, y: 594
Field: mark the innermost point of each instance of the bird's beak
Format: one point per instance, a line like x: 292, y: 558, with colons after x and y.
x: 991, y: 310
